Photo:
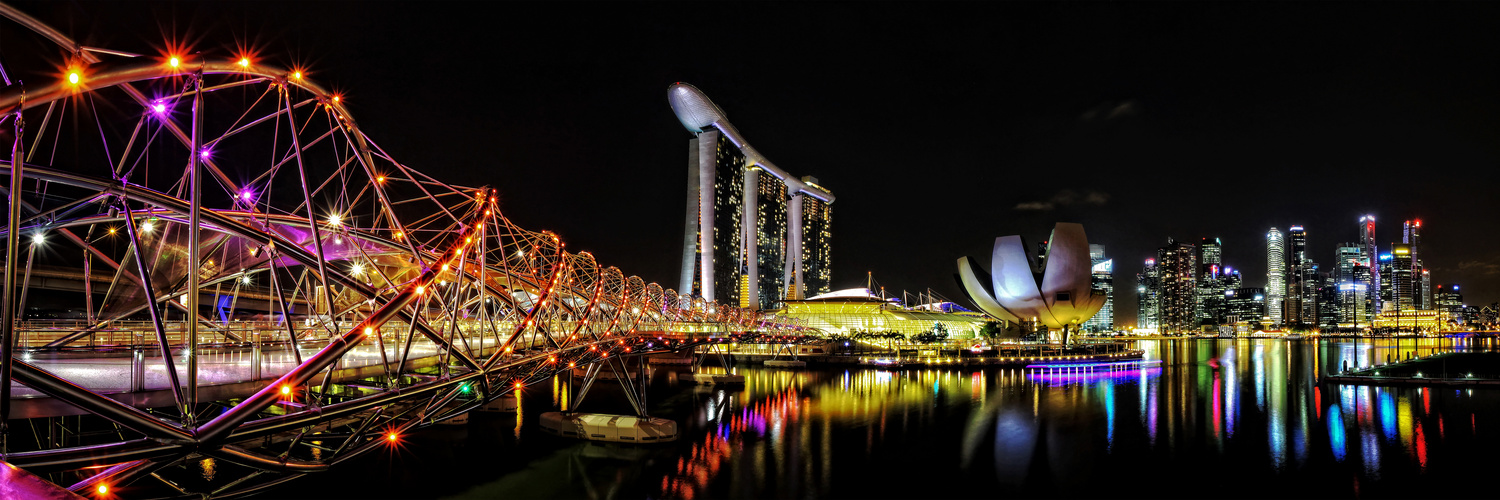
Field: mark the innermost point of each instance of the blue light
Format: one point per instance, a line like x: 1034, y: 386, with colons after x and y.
x: 1385, y: 256
x: 1336, y: 432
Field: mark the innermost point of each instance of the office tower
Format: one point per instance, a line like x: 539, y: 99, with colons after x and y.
x: 743, y: 238
x: 1148, y: 303
x: 1329, y: 303
x: 1296, y: 263
x: 1177, y: 268
x: 1346, y: 256
x: 1404, y: 281
x: 1369, y: 256
x: 1245, y: 305
x: 1102, y: 280
x: 1210, y: 294
x: 1411, y: 234
x: 1275, y: 276
x: 1450, y: 301
x: 1387, y: 294
x: 1424, y: 293
x: 1312, y: 280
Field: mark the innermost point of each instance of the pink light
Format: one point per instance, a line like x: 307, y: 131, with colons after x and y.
x: 205, y: 154
x: 159, y: 107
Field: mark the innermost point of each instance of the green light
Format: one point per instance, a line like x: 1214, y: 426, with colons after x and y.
x: 464, y: 388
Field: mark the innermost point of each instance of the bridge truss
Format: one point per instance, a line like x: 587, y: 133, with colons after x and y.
x: 247, y: 279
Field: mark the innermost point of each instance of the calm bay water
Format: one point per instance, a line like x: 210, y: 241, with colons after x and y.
x: 1218, y: 418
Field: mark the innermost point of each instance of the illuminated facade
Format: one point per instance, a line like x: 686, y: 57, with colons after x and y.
x: 817, y: 217
x: 1177, y: 269
x: 1369, y: 255
x: 1411, y: 234
x: 1209, y: 303
x: 1449, y: 300
x: 1103, y: 281
x: 1412, y: 320
x: 847, y: 314
x: 753, y: 234
x: 1148, y: 303
x: 1294, y: 313
x: 1056, y: 293
x: 1245, y: 306
x: 1275, y: 275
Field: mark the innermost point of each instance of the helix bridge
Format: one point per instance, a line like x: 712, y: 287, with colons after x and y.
x: 223, y: 267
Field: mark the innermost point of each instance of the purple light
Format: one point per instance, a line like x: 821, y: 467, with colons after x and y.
x: 159, y: 108
x: 205, y: 154
x: 245, y: 195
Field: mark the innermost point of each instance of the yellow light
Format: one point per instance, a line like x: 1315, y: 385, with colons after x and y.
x: 174, y: 61
x: 286, y: 390
x: 421, y: 289
x: 369, y: 331
x: 380, y: 179
x: 102, y: 489
x: 391, y: 437
x: 244, y: 62
x: 445, y: 267
x: 73, y: 77
x: 335, y: 98
x: 297, y: 75
x: 111, y: 230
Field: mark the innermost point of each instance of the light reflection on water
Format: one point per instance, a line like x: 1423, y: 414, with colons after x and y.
x: 1247, y: 409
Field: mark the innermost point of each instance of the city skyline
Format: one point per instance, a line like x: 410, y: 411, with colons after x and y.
x: 1175, y: 91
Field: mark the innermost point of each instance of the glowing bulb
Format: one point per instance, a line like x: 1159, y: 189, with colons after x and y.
x: 286, y: 390
x: 369, y: 331
x: 518, y: 385
x: 391, y: 437
x: 38, y: 239
x: 335, y: 98
x: 147, y: 227
x: 334, y: 220
x: 244, y: 62
x: 245, y: 280
x: 421, y: 289
x: 357, y: 268
x: 297, y: 75
x: 111, y: 230
x: 73, y: 77
x: 159, y: 108
x: 380, y: 179
x: 102, y: 489
x: 174, y: 61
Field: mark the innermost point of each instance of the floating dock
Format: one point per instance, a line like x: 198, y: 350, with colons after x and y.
x: 712, y: 378
x: 609, y: 428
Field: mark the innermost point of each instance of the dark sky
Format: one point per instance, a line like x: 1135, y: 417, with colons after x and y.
x: 938, y: 126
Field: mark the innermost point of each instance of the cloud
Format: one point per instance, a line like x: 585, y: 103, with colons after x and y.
x: 1111, y: 110
x: 1066, y: 198
x: 1479, y: 268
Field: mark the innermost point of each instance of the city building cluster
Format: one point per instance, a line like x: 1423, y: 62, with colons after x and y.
x: 1188, y: 288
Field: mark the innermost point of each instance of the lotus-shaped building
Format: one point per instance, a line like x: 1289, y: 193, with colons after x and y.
x: 1055, y: 292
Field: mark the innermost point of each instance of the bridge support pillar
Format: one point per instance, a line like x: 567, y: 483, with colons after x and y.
x: 137, y: 368
x: 255, y: 355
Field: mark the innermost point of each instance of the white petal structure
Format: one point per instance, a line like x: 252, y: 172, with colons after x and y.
x: 1059, y: 296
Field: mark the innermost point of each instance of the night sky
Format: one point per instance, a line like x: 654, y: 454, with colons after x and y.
x: 939, y: 127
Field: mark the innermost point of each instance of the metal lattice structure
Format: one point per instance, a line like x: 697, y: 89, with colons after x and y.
x: 251, y: 273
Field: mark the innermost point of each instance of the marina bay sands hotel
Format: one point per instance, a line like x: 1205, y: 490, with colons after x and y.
x: 754, y: 235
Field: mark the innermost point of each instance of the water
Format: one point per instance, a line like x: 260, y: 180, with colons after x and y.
x: 1218, y: 418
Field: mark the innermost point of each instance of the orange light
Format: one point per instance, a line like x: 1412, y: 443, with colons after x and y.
x: 421, y: 289
x: 572, y: 364
x: 335, y: 98
x: 244, y: 62
x: 73, y: 77
x: 286, y: 390
x: 391, y: 437
x: 380, y: 179
x: 552, y: 359
x: 369, y: 331
x: 297, y: 75
x: 398, y: 235
x: 174, y: 62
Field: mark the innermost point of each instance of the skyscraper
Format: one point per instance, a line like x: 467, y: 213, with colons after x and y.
x: 817, y: 216
x: 1210, y: 293
x: 1403, y: 279
x: 1296, y: 272
x: 1148, y: 303
x: 743, y: 238
x: 1177, y: 268
x: 1245, y: 305
x: 1449, y: 300
x: 1275, y: 276
x: 1102, y: 280
x: 1411, y: 234
x: 1369, y: 256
